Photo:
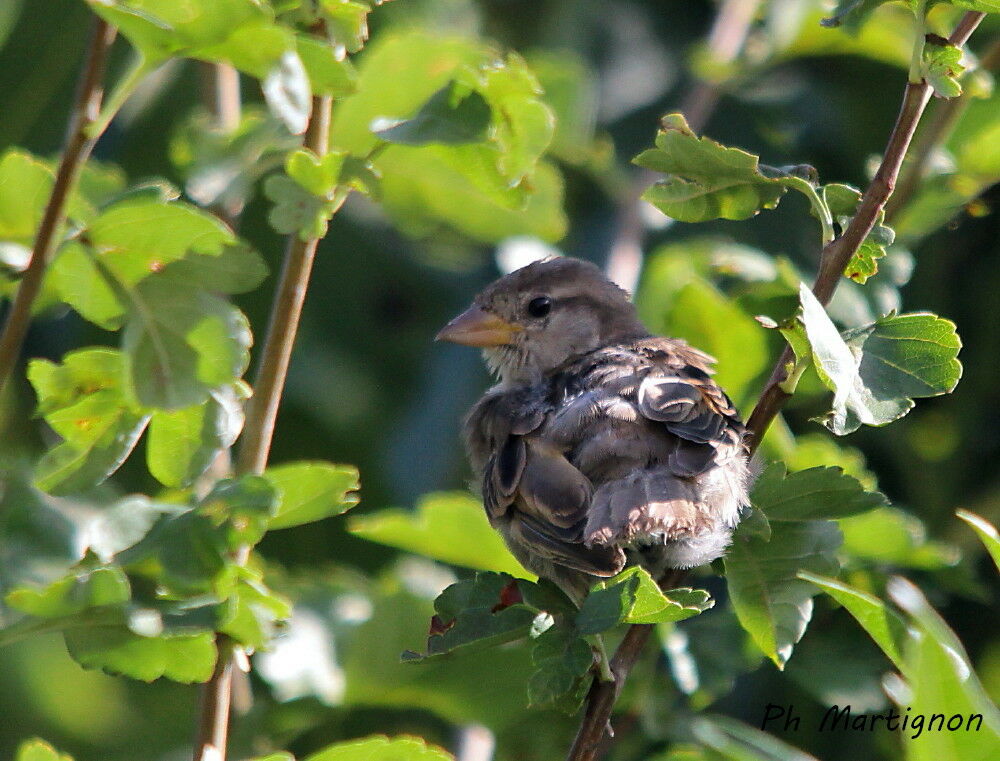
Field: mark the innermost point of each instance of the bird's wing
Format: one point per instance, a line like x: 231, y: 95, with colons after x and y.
x: 532, y: 492
x: 677, y: 470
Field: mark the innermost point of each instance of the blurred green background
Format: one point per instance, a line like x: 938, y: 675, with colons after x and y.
x: 369, y: 387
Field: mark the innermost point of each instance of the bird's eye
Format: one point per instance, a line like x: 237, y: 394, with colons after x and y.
x: 539, y: 307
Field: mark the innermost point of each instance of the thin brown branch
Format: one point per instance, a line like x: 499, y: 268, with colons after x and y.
x: 931, y: 137
x: 262, y: 412
x: 89, y: 94
x: 837, y: 254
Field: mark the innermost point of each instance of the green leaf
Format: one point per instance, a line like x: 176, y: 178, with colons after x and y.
x: 25, y: 184
x: 79, y: 283
x: 238, y: 269
x: 889, y: 535
x: 452, y: 115
x: 183, y: 443
x: 633, y: 597
x: 881, y: 622
x: 319, y: 175
x: 181, y: 343
x: 39, y: 750
x: 490, y: 189
x: 941, y: 681
x: 296, y: 211
x: 851, y: 13
x: 311, y: 491
x: 185, y: 553
x: 279, y: 756
x: 328, y: 75
x: 707, y: 180
x: 843, y: 202
x: 478, y: 613
x: 875, y: 370
x: 986, y: 531
x: 243, y: 506
x: 447, y: 526
x: 118, y: 650
x: 72, y: 594
x: 771, y: 602
x: 381, y: 748
x: 252, y: 613
x: 347, y: 25
x: 734, y: 740
x: 562, y: 674
x: 814, y: 493
x: 134, y: 239
x: 83, y: 400
x: 941, y: 67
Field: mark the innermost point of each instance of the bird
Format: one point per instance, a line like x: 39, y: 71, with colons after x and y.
x: 601, y: 445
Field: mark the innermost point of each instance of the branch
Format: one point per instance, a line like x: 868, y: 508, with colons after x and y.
x: 837, y: 254
x: 262, y: 412
x: 935, y: 134
x: 79, y: 144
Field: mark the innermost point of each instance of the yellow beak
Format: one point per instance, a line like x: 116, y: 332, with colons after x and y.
x: 477, y: 327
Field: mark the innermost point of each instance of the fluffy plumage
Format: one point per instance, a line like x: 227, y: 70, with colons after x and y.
x: 601, y: 445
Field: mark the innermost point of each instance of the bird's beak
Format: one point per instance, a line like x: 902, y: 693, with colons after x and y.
x: 477, y: 327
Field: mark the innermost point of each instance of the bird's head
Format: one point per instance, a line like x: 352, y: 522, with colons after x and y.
x: 535, y: 319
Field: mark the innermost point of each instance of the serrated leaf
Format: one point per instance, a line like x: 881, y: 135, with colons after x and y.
x: 633, y: 597
x: 118, y: 650
x: 446, y: 526
x: 84, y: 402
x: 183, y: 443
x: 39, y: 750
x: 562, y: 675
x: 773, y: 605
x: 490, y: 189
x: 347, y: 24
x: 381, y: 748
x: 186, y: 553
x: 242, y: 506
x: 478, y: 613
x: 72, y: 594
x: 843, y: 201
x: 311, y: 491
x: 707, y: 180
x: 876, y: 370
x: 25, y: 183
x: 136, y: 238
x: 252, y: 613
x: 814, y: 493
x: 882, y: 623
x: 320, y: 175
x: 986, y: 532
x: 296, y: 211
x: 451, y: 116
x: 941, y: 67
x: 181, y: 343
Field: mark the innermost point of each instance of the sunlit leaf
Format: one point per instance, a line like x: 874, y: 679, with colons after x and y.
x: 118, y: 650
x: 381, y: 748
x: 889, y: 535
x: 84, y: 402
x: 39, y: 750
x: 941, y: 66
x: 633, y: 597
x: 452, y: 115
x: 311, y: 491
x: 183, y: 443
x: 451, y: 527
x: 986, y: 531
x: 562, y: 661
x: 881, y: 622
x: 733, y: 740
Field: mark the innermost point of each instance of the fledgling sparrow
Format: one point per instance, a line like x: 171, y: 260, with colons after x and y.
x: 602, y: 445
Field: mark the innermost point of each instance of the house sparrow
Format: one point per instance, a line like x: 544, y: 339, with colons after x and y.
x: 602, y: 445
